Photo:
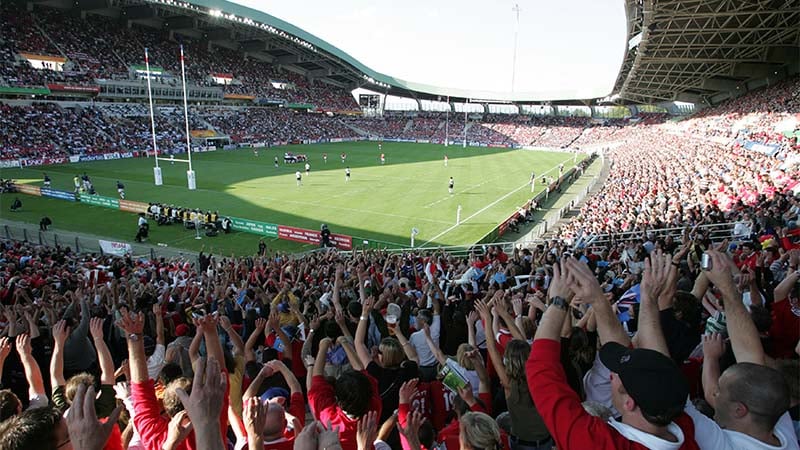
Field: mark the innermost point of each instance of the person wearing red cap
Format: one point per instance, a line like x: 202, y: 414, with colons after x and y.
x: 652, y: 417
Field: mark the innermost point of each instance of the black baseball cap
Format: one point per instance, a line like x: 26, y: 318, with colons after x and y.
x: 651, y: 378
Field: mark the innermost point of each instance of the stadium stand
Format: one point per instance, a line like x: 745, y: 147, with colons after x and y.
x: 572, y: 343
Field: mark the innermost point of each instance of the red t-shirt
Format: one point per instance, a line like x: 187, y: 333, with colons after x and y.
x: 784, y: 331
x: 322, y: 400
x: 569, y: 424
x: 153, y: 427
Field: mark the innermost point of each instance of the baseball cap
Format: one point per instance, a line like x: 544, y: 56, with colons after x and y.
x: 181, y: 330
x: 639, y: 369
x: 275, y: 392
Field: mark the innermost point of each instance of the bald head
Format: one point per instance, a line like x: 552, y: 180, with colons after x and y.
x: 276, y: 420
x: 761, y: 389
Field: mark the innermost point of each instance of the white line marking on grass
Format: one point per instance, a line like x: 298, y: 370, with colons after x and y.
x: 362, y: 211
x: 459, y: 192
x: 488, y: 206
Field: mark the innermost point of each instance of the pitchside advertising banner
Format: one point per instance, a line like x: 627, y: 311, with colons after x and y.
x: 341, y: 241
x: 99, y: 200
x: 28, y: 189
x: 115, y: 248
x: 131, y: 206
x: 61, y: 195
x: 255, y: 227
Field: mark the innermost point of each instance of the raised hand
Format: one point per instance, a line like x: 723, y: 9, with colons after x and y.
x: 713, y: 346
x: 472, y: 317
x: 483, y: 311
x: 254, y: 416
x: 60, y: 333
x: 24, y: 344
x: 560, y: 284
x: 656, y: 274
x: 225, y: 323
x: 132, y: 323
x: 328, y: 436
x: 208, y: 389
x: 5, y: 348
x: 178, y: 430
x: 122, y: 390
x: 367, y: 430
x: 96, y: 327
x: 85, y: 431
x: 274, y: 321
x: 411, y: 430
x: 408, y: 390
x: 261, y: 323
x: 720, y: 272
x: 583, y: 282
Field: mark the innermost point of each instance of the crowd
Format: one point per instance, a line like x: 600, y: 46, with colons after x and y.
x: 98, y: 48
x: 651, y: 342
x: 681, y: 182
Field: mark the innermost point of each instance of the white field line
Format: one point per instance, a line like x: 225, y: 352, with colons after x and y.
x: 459, y: 192
x: 488, y: 206
x: 362, y: 211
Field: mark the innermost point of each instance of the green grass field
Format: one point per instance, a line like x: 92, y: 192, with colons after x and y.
x: 380, y: 203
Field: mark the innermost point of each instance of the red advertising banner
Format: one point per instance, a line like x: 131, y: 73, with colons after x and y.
x: 342, y: 241
x: 131, y: 206
x: 73, y: 88
x: 28, y: 189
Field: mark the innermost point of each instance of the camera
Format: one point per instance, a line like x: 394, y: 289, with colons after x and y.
x: 705, y: 262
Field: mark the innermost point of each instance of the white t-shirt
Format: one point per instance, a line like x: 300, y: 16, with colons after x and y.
x: 156, y: 361
x: 709, y: 436
x: 417, y: 339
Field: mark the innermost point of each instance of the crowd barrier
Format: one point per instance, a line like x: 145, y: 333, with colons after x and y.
x: 82, y: 243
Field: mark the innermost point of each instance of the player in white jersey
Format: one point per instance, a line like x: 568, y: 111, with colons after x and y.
x: 299, y: 178
x: 445, y: 160
x: 383, y: 158
x: 450, y: 186
x: 308, y: 168
x: 347, y: 174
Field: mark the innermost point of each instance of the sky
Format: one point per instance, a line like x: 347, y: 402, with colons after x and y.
x: 563, y: 46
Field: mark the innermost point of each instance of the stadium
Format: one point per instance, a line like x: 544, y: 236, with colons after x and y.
x: 454, y: 262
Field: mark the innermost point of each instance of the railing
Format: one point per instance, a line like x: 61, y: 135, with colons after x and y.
x: 716, y: 232
x: 83, y: 243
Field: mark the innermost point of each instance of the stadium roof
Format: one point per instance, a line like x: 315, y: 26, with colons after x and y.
x: 697, y: 51
x: 703, y: 51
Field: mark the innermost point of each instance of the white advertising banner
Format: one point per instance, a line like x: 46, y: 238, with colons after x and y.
x: 115, y: 248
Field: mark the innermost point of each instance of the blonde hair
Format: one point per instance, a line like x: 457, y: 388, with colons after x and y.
x: 479, y: 431
x: 74, y: 381
x: 392, y: 354
x: 461, y: 356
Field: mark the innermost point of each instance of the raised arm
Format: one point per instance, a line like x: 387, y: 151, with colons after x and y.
x: 60, y: 335
x: 713, y: 348
x: 437, y: 352
x: 252, y: 341
x: 319, y: 362
x: 5, y: 350
x: 361, y: 333
x: 741, y: 329
x: 654, y: 280
x: 236, y: 340
x: 133, y: 326
x: 32, y: 372
x: 291, y: 380
x: 103, y: 354
x: 783, y: 289
x: 408, y: 349
x: 160, y: 340
x: 208, y: 324
x: 491, y: 345
x: 583, y: 283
